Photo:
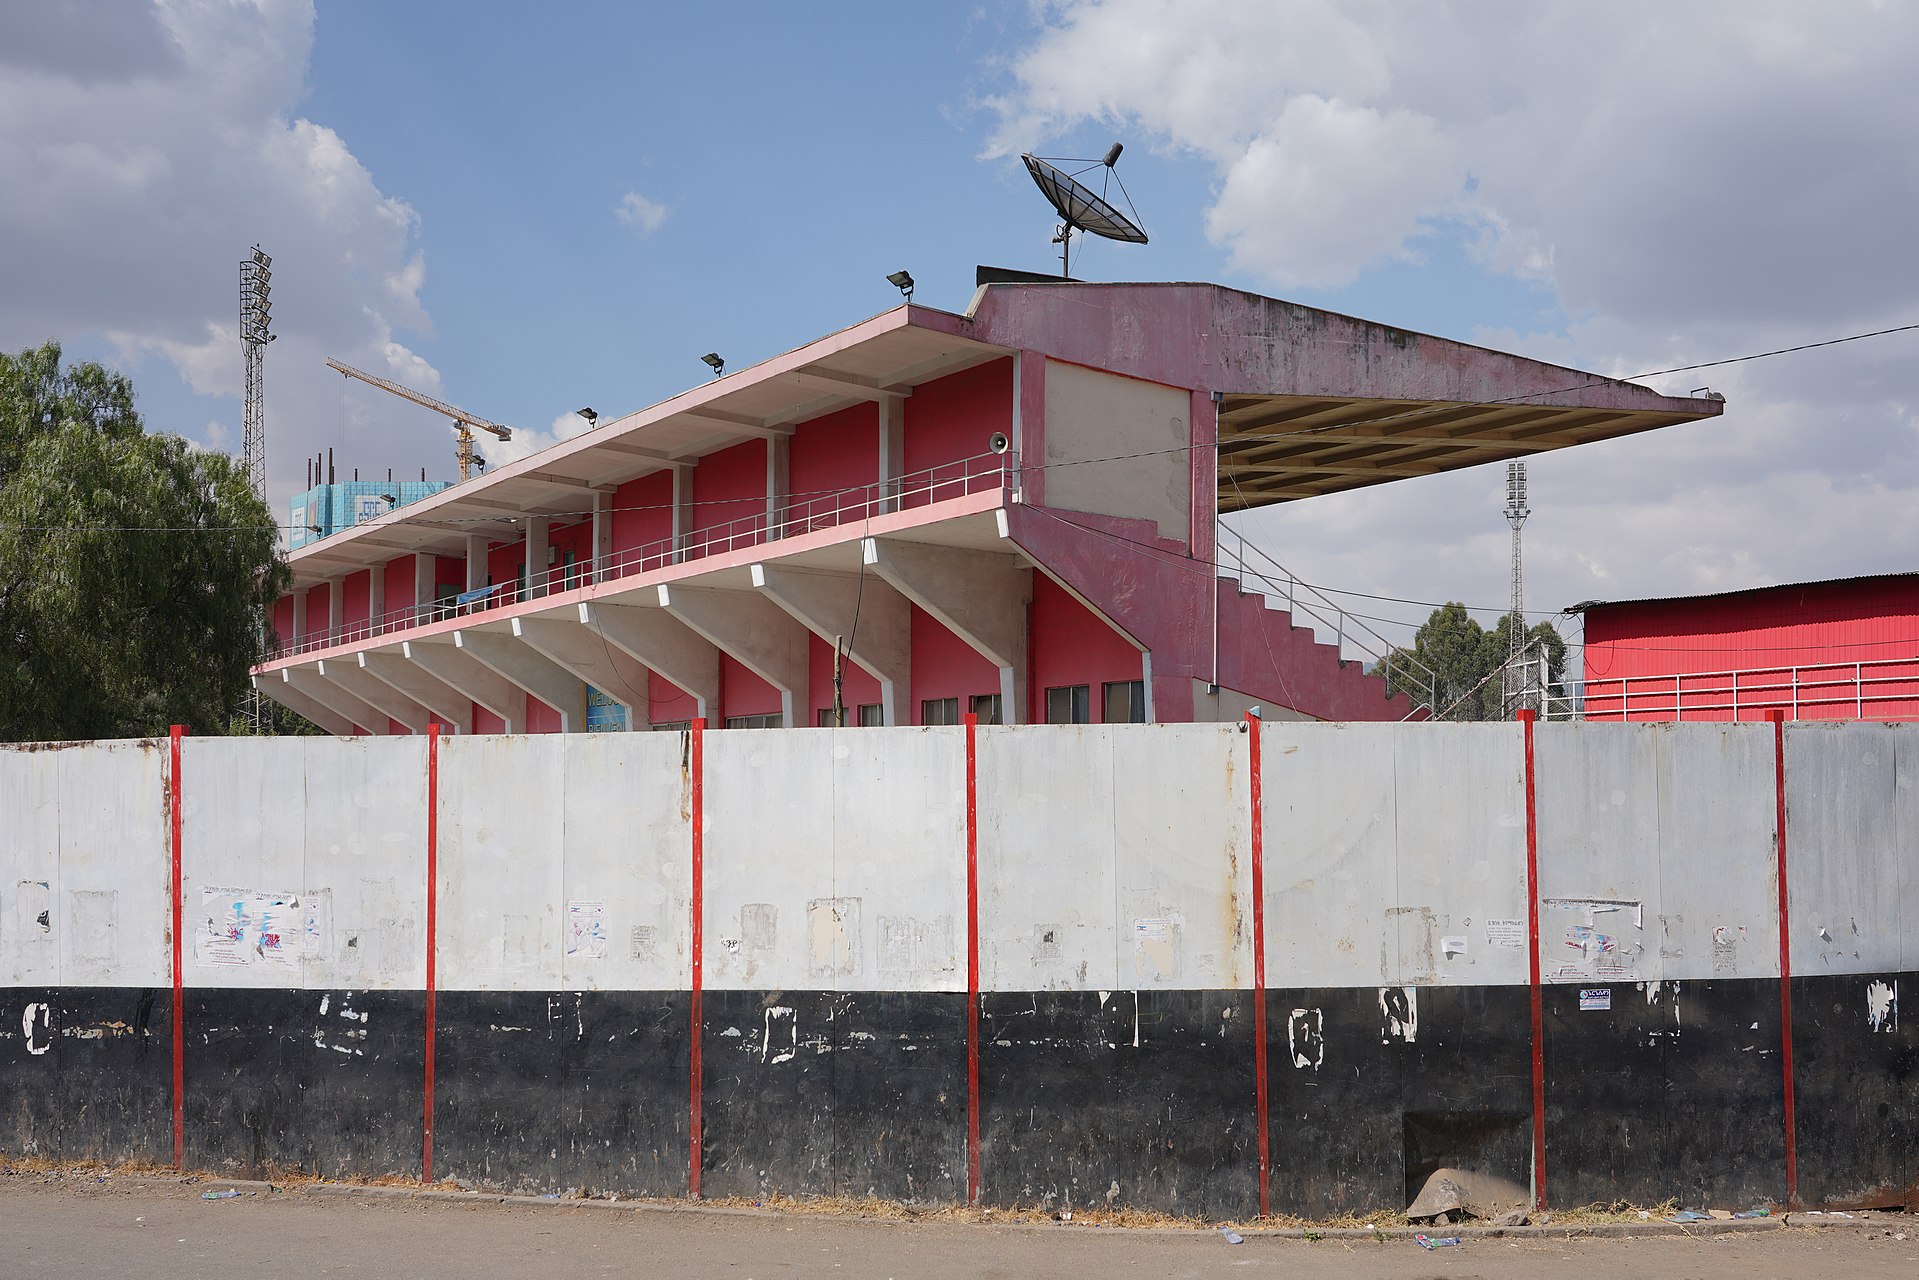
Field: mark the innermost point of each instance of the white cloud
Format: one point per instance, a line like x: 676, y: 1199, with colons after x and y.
x: 526, y: 443
x: 1690, y: 181
x: 144, y: 148
x: 643, y: 215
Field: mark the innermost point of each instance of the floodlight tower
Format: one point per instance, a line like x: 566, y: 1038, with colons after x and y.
x: 1516, y: 685
x: 256, y: 317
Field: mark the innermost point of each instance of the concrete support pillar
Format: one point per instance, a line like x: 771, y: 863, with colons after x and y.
x: 274, y: 687
x: 779, y: 487
x: 348, y: 675
x: 663, y: 643
x: 335, y: 609
x: 682, y: 510
x: 476, y: 547
x: 309, y: 681
x: 375, y: 596
x: 425, y: 585
x: 444, y: 660
x: 532, y: 672
x: 754, y: 632
x: 299, y: 621
x: 394, y: 669
x: 892, y: 450
x: 980, y: 596
x: 585, y: 656
x: 872, y: 618
x: 602, y: 537
x: 537, y: 550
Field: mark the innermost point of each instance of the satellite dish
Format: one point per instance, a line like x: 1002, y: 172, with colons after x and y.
x: 1079, y: 207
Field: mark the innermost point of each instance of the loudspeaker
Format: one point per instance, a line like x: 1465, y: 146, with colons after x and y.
x: 998, y: 442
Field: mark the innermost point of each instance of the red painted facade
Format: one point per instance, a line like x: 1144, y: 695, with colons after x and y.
x: 1838, y: 650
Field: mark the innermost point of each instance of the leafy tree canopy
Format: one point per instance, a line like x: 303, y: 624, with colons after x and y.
x: 1464, y: 659
x: 134, y: 569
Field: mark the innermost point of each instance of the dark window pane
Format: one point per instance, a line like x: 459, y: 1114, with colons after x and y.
x: 986, y: 708
x: 1126, y: 702
x: 1068, y: 704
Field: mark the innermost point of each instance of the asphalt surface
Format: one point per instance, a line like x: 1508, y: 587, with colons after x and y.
x: 53, y: 1227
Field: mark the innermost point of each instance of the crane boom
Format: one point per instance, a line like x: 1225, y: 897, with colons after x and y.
x: 463, y: 422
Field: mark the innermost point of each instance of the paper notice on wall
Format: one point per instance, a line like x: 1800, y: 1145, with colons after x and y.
x: 586, y: 930
x: 260, y: 928
x: 1452, y: 945
x: 1510, y: 934
x: 1592, y: 938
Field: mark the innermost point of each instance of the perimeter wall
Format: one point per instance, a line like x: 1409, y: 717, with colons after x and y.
x: 530, y: 1016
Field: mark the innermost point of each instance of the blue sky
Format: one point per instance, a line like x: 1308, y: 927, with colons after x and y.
x: 1617, y: 187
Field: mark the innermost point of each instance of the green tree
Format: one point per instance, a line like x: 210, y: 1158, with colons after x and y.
x: 135, y: 569
x: 1464, y: 659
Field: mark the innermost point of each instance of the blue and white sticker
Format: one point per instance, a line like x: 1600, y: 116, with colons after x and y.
x: 1595, y: 998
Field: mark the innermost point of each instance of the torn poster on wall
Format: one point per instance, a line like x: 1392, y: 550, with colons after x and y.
x: 586, y: 930
x: 1593, y: 938
x: 258, y: 927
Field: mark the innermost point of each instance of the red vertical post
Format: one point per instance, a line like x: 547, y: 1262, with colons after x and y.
x: 179, y: 975
x: 432, y: 940
x: 1527, y: 716
x: 1259, y: 967
x: 972, y: 960
x: 1778, y: 718
x: 696, y: 781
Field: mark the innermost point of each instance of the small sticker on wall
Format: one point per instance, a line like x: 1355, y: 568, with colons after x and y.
x: 1453, y: 946
x: 1599, y: 998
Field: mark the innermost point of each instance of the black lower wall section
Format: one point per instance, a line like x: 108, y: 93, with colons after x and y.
x: 1141, y: 1099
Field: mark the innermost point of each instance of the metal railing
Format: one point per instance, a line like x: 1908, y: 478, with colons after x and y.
x: 981, y: 473
x: 1244, y: 562
x: 1886, y: 688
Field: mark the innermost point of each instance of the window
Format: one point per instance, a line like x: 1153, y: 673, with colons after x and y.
x: 872, y: 715
x: 939, y: 711
x: 1126, y: 702
x: 986, y: 708
x: 827, y: 719
x: 754, y: 722
x: 1069, y: 704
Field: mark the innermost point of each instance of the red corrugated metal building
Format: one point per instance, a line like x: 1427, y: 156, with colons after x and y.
x: 1845, y: 649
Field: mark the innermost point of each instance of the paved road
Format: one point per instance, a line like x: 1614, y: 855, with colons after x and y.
x: 55, y: 1229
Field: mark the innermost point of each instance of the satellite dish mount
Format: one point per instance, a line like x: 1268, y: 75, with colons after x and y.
x: 1079, y: 207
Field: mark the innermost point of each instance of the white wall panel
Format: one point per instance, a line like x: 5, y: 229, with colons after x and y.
x: 502, y: 806
x: 243, y: 803
x: 629, y: 863
x: 1844, y: 860
x: 1048, y: 893
x: 1461, y: 818
x: 1330, y: 849
x: 30, y: 813
x: 899, y: 841
x: 366, y: 862
x: 1601, y: 917
x: 773, y: 918
x: 116, y: 865
x: 1182, y: 844
x: 1718, y: 865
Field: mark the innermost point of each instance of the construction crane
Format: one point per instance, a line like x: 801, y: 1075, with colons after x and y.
x: 463, y: 422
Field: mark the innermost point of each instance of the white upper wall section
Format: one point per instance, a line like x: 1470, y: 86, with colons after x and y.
x: 1091, y: 414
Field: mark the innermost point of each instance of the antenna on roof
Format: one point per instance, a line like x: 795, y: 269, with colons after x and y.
x: 1078, y: 207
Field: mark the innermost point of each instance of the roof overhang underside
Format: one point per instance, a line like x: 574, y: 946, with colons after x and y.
x: 1278, y: 448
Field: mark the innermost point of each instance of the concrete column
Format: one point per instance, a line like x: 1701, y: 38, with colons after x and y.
x: 537, y: 675
x: 443, y: 659
x: 980, y: 596
x: 335, y: 609
x: 682, y: 510
x: 375, y: 596
x: 425, y: 583
x: 537, y: 549
x: 754, y: 632
x: 348, y: 675
x: 299, y: 620
x: 892, y: 450
x: 476, y: 546
x: 872, y: 618
x: 779, y: 486
x: 602, y: 537
x: 436, y: 695
x: 1029, y: 422
x: 309, y: 681
x: 664, y: 644
x: 585, y: 656
x: 274, y: 687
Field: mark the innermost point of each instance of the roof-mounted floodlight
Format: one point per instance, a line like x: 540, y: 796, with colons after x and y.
x: 587, y: 413
x: 714, y: 362
x: 903, y: 281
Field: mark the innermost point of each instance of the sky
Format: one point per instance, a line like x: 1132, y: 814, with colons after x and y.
x: 525, y: 210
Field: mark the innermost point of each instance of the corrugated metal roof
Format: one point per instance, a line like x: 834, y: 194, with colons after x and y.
x: 1584, y: 605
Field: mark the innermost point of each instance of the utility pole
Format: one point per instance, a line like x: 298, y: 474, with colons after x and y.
x: 1516, y: 687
